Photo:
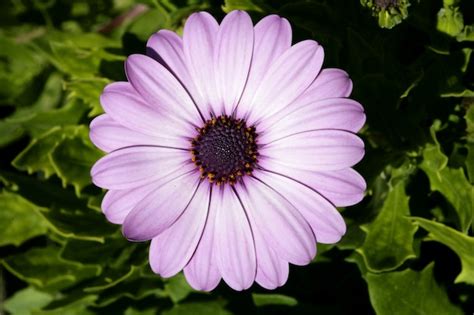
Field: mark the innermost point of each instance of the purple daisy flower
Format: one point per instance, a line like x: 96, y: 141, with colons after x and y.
x: 230, y: 150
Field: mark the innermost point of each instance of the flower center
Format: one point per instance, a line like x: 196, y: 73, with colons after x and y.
x: 225, y: 149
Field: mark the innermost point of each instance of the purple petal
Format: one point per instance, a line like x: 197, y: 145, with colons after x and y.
x: 272, y: 39
x: 272, y: 271
x: 330, y: 83
x: 160, y: 208
x: 117, y: 204
x: 199, y: 39
x: 284, y: 229
x: 233, y: 54
x: 161, y: 90
x: 333, y: 113
x: 171, y: 250
x: 137, y: 166
x: 202, y: 272
x: 128, y: 108
x: 235, y: 249
x: 288, y: 77
x: 317, y: 150
x: 166, y: 47
x: 326, y: 222
x: 108, y: 135
x: 343, y: 187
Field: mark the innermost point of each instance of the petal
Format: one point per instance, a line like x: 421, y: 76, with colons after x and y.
x: 108, y: 135
x: 342, y: 188
x: 202, y: 272
x: 233, y: 54
x: 171, y: 250
x: 272, y: 271
x: 161, y: 90
x: 272, y: 39
x: 330, y: 83
x: 199, y: 39
x: 326, y: 222
x: 166, y: 47
x: 316, y: 150
x: 159, y: 209
x: 284, y: 229
x: 333, y: 113
x: 117, y: 204
x: 128, y: 108
x: 288, y: 77
x: 235, y: 249
x: 136, y: 166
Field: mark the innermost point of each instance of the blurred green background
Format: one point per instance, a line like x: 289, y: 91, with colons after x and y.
x: 409, y: 247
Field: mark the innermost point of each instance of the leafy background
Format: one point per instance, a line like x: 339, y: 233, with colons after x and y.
x: 409, y: 247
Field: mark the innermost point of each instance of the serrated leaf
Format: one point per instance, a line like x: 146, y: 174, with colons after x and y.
x: 389, y: 240
x: 460, y: 243
x: 260, y: 299
x: 450, y: 182
x: 44, y: 268
x: 409, y: 292
x: 77, y: 223
x: 19, y: 220
x: 73, y: 158
x: 36, y: 156
x: 27, y: 300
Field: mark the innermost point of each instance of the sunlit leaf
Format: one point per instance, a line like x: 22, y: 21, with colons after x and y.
x: 26, y: 301
x: 19, y: 220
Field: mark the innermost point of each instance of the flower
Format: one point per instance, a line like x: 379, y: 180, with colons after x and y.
x: 229, y: 149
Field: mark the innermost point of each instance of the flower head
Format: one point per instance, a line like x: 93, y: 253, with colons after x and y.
x: 230, y: 150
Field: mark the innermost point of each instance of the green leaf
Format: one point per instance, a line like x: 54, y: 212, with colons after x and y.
x: 19, y: 65
x: 460, y: 243
x: 88, y: 90
x: 246, y: 5
x: 450, y: 20
x: 66, y: 152
x: 389, y: 240
x: 44, y: 268
x: 199, y: 308
x: 25, y: 301
x: 178, y: 288
x: 409, y: 292
x: 19, y: 220
x: 77, y: 222
x: 73, y: 158
x: 76, y: 307
x: 260, y: 299
x: 450, y: 182
x: 36, y: 156
x: 149, y: 23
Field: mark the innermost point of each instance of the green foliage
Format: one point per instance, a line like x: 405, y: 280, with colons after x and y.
x: 411, y: 65
x: 389, y: 240
x: 409, y: 292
